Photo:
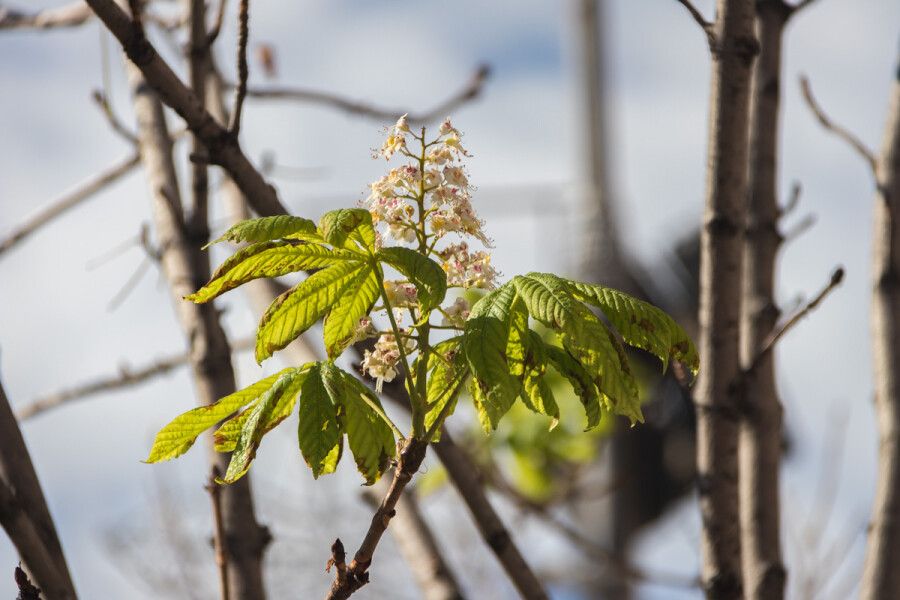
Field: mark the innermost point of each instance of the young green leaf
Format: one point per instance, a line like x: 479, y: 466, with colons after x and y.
x: 370, y: 438
x: 267, y: 228
x: 581, y: 381
x: 536, y: 392
x: 485, y: 341
x: 428, y: 276
x: 268, y: 259
x: 295, y: 311
x: 269, y: 408
x: 319, y: 432
x: 448, y: 370
x: 337, y: 226
x: 584, y: 335
x: 343, y: 319
x: 178, y: 436
x: 640, y: 324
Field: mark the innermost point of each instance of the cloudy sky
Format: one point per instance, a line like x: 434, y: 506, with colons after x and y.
x: 56, y: 328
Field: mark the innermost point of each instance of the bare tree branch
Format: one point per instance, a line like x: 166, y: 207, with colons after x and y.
x: 217, y: 24
x: 220, y: 540
x: 243, y: 72
x: 419, y: 547
x: 470, y: 91
x: 707, y: 27
x: 841, y: 132
x: 223, y: 149
x: 352, y: 577
x: 70, y: 200
x: 24, y: 513
x: 70, y: 15
x: 27, y: 591
x: 125, y: 378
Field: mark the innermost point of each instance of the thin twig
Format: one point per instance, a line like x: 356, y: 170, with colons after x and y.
x: 705, y: 25
x: 219, y: 537
x: 70, y: 15
x: 793, y: 200
x: 801, y: 227
x: 127, y: 377
x: 70, y: 200
x: 103, y: 104
x: 841, y: 132
x: 352, y: 577
x: 217, y: 24
x: 471, y: 90
x: 776, y: 335
x: 243, y: 70
x: 800, y: 6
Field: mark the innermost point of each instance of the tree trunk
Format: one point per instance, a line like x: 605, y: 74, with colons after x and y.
x: 24, y: 513
x: 881, y: 576
x: 720, y: 273
x: 186, y: 267
x: 761, y: 428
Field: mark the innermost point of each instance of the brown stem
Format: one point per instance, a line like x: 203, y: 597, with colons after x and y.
x: 70, y: 15
x: 220, y: 540
x: 243, y: 72
x: 24, y: 513
x: 356, y: 574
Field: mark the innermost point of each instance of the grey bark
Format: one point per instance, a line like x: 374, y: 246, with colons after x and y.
x: 24, y: 513
x: 186, y: 268
x: 760, y: 440
x: 720, y: 294
x: 881, y: 575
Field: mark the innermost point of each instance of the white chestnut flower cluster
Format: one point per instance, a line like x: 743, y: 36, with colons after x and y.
x: 381, y: 363
x: 401, y: 294
x: 456, y: 314
x: 436, y: 174
x: 468, y: 269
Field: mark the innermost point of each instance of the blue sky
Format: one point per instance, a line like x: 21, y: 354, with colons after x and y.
x: 524, y: 134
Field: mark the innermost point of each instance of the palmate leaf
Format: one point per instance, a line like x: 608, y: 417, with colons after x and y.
x: 581, y: 381
x: 268, y: 409
x: 269, y: 259
x: 428, y: 276
x: 640, y: 324
x: 584, y: 335
x: 343, y: 319
x: 493, y: 388
x: 448, y: 369
x: 319, y: 433
x: 338, y: 226
x: 178, y: 436
x: 536, y: 392
x: 265, y: 229
x: 370, y: 438
x: 296, y: 310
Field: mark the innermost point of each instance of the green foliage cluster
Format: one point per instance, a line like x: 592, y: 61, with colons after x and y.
x: 494, y: 351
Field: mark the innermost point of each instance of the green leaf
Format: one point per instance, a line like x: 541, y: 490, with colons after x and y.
x: 428, y: 276
x: 267, y: 228
x: 581, y: 381
x: 536, y: 392
x: 296, y: 310
x: 342, y: 321
x: 226, y: 436
x: 178, y: 436
x: 641, y: 324
x: 485, y: 340
x: 268, y: 409
x: 337, y: 226
x: 370, y: 438
x: 268, y: 259
x: 447, y: 368
x: 319, y: 433
x: 588, y: 339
